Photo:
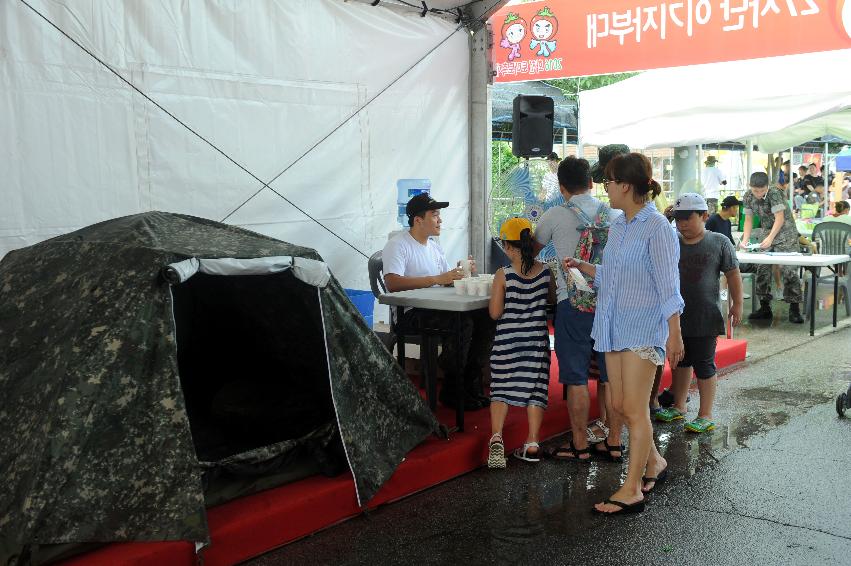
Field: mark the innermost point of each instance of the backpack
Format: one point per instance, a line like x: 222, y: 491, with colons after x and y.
x: 593, y: 235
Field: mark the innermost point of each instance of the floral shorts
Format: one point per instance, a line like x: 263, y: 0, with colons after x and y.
x: 652, y: 354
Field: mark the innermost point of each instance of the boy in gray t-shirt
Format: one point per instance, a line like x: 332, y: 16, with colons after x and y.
x: 704, y: 255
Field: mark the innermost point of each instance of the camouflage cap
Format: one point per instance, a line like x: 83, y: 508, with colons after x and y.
x: 604, y: 155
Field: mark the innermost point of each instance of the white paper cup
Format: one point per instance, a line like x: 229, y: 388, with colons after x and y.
x: 467, y: 267
x: 472, y: 287
x: 460, y: 286
x: 482, y: 288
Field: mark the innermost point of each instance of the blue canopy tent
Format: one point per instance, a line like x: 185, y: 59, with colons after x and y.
x: 843, y: 160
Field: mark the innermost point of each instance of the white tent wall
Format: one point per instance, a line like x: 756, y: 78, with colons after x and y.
x: 777, y: 102
x: 263, y: 81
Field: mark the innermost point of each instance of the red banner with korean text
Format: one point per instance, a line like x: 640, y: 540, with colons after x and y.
x: 571, y: 38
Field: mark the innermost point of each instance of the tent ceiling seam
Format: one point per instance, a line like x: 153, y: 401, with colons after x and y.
x: 196, y: 134
x: 343, y: 123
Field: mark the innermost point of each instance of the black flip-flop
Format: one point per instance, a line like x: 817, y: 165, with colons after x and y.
x: 626, y: 508
x: 607, y: 453
x: 570, y: 452
x: 660, y: 477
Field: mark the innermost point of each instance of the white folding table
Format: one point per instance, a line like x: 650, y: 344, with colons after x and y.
x: 811, y: 263
x: 436, y: 299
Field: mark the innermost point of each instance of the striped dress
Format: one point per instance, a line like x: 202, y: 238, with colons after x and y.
x: 520, y: 358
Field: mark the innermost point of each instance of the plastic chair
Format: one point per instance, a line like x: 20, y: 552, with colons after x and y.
x: 752, y: 278
x: 427, y: 342
x: 375, y: 267
x: 832, y: 239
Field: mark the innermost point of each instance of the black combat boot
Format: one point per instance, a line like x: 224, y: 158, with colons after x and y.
x: 764, y: 312
x: 795, y: 313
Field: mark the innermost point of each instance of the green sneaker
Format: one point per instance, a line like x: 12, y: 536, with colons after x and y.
x: 700, y: 425
x: 668, y: 415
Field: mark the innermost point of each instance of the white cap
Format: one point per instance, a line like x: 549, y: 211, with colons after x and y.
x: 690, y: 201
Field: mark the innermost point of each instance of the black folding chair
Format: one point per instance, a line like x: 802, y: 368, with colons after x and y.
x: 400, y: 334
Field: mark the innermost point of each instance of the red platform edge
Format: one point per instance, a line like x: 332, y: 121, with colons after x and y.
x: 258, y: 523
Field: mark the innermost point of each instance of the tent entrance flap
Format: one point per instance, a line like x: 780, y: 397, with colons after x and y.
x: 253, y: 369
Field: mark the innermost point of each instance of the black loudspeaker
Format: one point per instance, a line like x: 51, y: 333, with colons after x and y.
x: 532, y: 126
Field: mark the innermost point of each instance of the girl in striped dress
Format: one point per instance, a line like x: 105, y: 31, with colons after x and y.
x: 520, y: 359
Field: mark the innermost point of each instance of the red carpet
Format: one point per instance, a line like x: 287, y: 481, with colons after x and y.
x: 258, y: 523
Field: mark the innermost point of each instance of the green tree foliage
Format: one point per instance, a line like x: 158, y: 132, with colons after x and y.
x: 502, y: 203
x: 502, y: 160
x: 571, y: 87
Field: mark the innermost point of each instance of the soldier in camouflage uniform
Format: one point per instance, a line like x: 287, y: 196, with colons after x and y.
x: 781, y: 235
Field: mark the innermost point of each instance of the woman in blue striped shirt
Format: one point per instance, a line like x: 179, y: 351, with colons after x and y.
x: 638, y: 317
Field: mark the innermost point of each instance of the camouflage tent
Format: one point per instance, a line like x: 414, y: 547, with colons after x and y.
x: 127, y: 388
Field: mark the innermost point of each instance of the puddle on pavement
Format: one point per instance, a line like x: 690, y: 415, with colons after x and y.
x: 798, y: 399
x: 557, y: 505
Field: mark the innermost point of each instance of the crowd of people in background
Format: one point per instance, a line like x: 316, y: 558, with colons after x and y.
x: 636, y: 283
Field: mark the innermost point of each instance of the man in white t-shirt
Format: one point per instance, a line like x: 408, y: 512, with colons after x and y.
x: 413, y: 260
x: 712, y: 179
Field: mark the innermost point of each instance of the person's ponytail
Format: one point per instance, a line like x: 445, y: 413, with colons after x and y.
x: 527, y: 251
x: 655, y: 188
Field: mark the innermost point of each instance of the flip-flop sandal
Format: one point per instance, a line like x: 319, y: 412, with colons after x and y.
x: 607, y: 453
x: 523, y: 453
x: 625, y: 508
x: 570, y: 452
x: 660, y: 477
x: 496, y: 454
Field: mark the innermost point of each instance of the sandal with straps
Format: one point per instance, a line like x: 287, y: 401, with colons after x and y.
x: 570, y: 452
x: 593, y: 437
x: 496, y: 452
x: 607, y: 453
x: 524, y: 454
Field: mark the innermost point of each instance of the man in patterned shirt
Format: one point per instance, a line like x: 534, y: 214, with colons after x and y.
x: 781, y: 235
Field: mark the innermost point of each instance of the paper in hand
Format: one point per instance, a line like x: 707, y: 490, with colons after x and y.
x: 579, y: 280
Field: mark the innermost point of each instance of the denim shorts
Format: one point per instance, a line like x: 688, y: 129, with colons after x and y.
x: 574, y: 346
x: 652, y: 354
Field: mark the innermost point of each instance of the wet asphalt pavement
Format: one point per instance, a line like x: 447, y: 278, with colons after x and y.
x: 771, y: 485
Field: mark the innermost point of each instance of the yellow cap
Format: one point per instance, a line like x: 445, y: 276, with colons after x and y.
x: 512, y: 227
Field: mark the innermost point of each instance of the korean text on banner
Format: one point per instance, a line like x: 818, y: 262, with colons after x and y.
x: 570, y: 38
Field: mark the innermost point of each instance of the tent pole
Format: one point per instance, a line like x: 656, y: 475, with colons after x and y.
x: 480, y: 134
x: 700, y: 166
x: 790, y: 181
x: 826, y: 204
x: 749, y: 162
x: 683, y: 174
x: 563, y: 142
x: 580, y: 150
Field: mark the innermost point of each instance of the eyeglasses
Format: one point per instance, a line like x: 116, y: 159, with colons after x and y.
x: 607, y: 182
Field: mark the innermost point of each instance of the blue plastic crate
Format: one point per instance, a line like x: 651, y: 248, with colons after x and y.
x: 364, y: 301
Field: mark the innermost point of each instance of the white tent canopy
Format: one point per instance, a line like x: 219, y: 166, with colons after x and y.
x: 777, y: 103
x: 330, y: 102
